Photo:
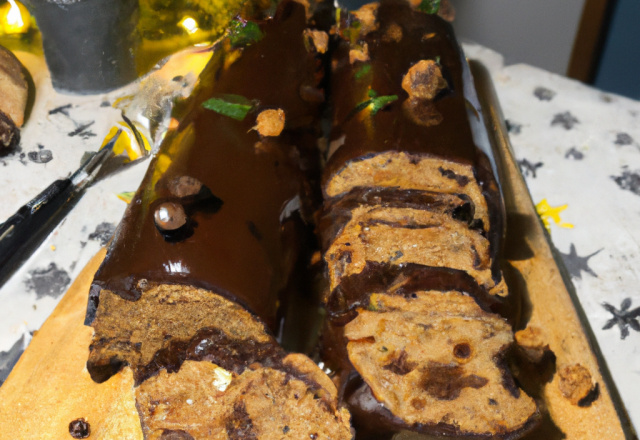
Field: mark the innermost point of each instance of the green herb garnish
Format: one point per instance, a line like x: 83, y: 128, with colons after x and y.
x: 438, y: 59
x: 380, y: 102
x: 233, y: 106
x: 243, y: 33
x: 376, y: 102
x: 429, y: 6
x: 365, y: 69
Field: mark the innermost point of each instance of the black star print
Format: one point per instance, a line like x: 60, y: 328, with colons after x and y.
x: 623, y: 318
x: 527, y: 167
x: 576, y: 264
x: 566, y: 119
x: 544, y: 94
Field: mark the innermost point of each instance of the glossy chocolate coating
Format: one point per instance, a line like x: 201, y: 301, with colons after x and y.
x: 244, y: 244
x: 424, y: 37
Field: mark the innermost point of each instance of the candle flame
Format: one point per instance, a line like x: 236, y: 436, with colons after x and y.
x: 13, y: 18
x: 189, y: 24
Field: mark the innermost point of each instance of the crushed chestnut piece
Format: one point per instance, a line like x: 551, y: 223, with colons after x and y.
x: 320, y: 39
x: 424, y: 80
x: 185, y: 186
x: 575, y: 383
x: 359, y: 54
x: 270, y: 122
x: 366, y: 15
x: 531, y: 343
x: 79, y: 428
x: 169, y: 216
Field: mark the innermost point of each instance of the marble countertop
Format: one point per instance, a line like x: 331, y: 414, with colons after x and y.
x: 578, y: 148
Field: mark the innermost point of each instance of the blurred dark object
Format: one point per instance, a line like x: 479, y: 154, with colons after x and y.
x: 88, y: 44
x: 590, y: 39
x: 619, y: 65
x: 606, y: 52
x: 13, y: 99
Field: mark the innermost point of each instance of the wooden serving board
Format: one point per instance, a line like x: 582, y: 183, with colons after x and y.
x: 548, y: 298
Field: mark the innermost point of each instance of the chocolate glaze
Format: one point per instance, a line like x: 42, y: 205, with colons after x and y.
x: 391, y: 129
x: 337, y: 212
x: 245, y: 248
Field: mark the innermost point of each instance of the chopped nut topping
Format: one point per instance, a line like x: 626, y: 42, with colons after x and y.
x: 366, y: 15
x: 393, y: 33
x: 575, y: 382
x: 424, y: 80
x: 320, y: 39
x: 359, y: 54
x: 170, y: 216
x: 532, y: 343
x: 270, y: 122
x: 185, y: 186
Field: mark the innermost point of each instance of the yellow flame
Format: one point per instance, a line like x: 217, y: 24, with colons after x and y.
x: 189, y: 24
x: 13, y: 18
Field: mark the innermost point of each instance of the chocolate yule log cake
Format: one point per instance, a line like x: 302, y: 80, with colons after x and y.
x: 188, y: 295
x: 411, y: 231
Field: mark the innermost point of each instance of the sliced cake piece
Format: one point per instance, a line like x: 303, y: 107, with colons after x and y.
x: 407, y: 171
x: 337, y: 211
x: 434, y: 360
x: 204, y: 401
x: 170, y: 324
x: 401, y: 236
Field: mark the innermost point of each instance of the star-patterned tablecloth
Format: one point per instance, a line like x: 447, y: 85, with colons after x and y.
x: 578, y: 148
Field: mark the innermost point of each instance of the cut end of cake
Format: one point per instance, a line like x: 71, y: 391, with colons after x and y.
x: 435, y: 358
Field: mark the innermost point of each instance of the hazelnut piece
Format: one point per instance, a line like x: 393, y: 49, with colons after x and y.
x: 532, y: 343
x: 575, y: 383
x: 320, y: 39
x: 270, y: 122
x: 424, y: 80
x: 359, y: 54
x: 366, y: 15
x: 169, y: 216
x: 185, y: 186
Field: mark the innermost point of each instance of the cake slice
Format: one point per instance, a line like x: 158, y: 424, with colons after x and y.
x: 404, y: 235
